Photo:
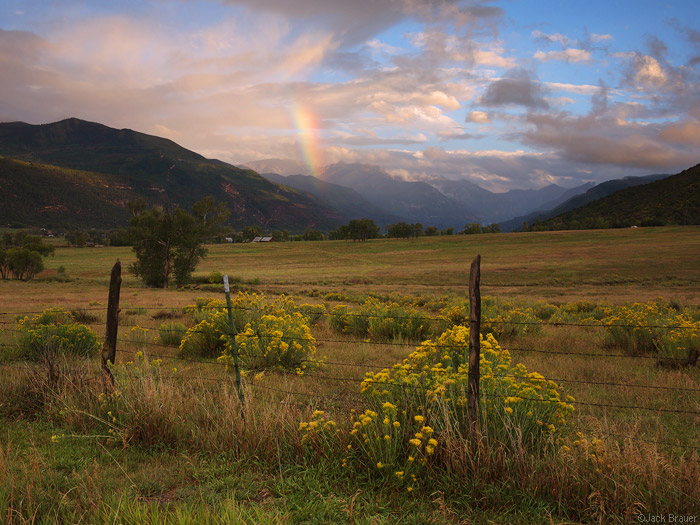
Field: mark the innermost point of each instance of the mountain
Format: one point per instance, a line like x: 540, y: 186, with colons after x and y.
x: 465, y: 200
x: 74, y: 158
x: 348, y: 202
x: 494, y: 207
x: 669, y: 200
x: 413, y: 201
x: 596, y: 192
x: 282, y: 167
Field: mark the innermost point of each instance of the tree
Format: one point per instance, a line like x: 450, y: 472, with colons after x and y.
x: 21, y: 255
x: 24, y: 263
x: 170, y: 243
x: 403, y: 230
x: 251, y: 232
x: 362, y: 229
x: 312, y: 235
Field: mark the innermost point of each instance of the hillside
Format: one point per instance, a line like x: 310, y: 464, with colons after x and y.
x: 598, y: 191
x: 143, y: 166
x: 673, y: 200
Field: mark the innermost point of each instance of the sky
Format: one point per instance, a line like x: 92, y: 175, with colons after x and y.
x: 507, y: 94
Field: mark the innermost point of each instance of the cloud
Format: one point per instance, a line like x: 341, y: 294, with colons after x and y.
x: 567, y: 55
x: 647, y: 72
x: 550, y: 38
x: 685, y: 132
x: 579, y: 89
x: 519, y: 88
x: 478, y: 117
x: 605, y: 140
x: 595, y: 37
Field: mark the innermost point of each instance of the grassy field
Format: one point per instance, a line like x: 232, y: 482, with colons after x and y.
x: 182, y: 449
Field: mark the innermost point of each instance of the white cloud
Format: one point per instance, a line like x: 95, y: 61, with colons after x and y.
x: 567, y: 55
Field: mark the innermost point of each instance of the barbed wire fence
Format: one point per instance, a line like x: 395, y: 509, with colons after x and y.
x: 321, y: 369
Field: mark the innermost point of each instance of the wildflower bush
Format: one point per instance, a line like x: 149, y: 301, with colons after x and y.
x: 283, y: 341
x: 55, y: 329
x: 433, y: 383
x: 502, y: 319
x: 268, y: 334
x: 313, y: 312
x: 381, y: 321
x: 657, y: 328
x: 418, y: 411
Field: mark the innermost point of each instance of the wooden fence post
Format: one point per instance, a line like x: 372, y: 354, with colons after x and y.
x: 234, y: 346
x: 474, y: 343
x: 109, y: 347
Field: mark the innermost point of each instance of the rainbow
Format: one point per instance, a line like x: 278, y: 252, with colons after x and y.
x: 308, y: 127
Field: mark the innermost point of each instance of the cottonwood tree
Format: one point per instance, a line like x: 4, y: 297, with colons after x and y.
x: 171, y: 242
x: 21, y: 255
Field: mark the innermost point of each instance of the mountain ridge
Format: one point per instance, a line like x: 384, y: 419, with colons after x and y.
x: 153, y: 168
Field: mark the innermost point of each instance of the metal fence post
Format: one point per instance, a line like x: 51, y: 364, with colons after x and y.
x: 234, y: 346
x: 474, y: 342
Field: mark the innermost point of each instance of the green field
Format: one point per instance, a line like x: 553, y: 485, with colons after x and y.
x: 183, y: 450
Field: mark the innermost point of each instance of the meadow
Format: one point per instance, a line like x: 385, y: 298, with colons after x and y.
x: 596, y: 313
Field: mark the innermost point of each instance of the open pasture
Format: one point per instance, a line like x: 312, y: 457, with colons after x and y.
x: 181, y: 444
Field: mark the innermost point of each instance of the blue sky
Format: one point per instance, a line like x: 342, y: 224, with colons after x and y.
x: 507, y: 94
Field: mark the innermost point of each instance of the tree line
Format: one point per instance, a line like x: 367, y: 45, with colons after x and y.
x: 22, y: 255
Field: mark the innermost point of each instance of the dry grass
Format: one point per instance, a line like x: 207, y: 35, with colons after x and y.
x: 195, y: 409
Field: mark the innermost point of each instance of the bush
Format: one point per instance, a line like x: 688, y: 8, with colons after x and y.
x: 381, y: 322
x: 55, y: 330
x: 275, y: 342
x: 171, y: 333
x: 269, y: 334
x: 417, y: 423
x: 434, y: 380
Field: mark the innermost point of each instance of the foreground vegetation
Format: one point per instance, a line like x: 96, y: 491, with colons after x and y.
x: 324, y: 435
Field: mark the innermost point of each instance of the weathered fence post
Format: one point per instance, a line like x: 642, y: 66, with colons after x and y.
x: 234, y: 346
x: 109, y: 347
x: 474, y: 343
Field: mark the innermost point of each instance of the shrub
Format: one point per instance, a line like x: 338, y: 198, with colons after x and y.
x: 275, y: 342
x: 339, y: 319
x: 83, y: 315
x: 418, y: 418
x: 434, y: 379
x: 507, y: 320
x: 55, y: 330
x: 171, y: 333
x: 215, y: 278
x: 381, y: 322
x: 313, y: 312
x: 258, y: 325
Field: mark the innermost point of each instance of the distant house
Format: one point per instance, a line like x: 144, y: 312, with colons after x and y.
x: 263, y: 239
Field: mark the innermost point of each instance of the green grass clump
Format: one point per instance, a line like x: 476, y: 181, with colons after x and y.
x: 171, y: 334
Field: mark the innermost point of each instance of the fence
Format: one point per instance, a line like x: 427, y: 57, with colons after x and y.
x: 296, y: 389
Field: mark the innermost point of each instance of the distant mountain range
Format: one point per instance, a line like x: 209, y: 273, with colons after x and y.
x: 437, y: 202
x: 75, y: 173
